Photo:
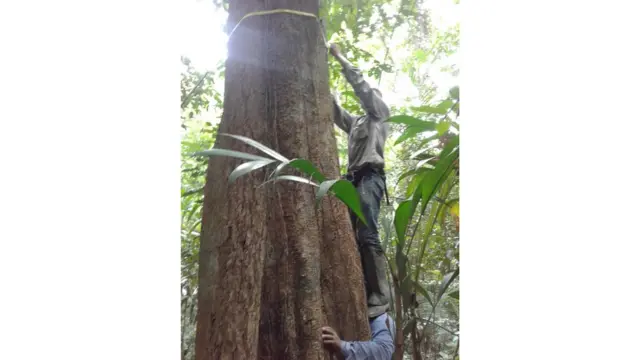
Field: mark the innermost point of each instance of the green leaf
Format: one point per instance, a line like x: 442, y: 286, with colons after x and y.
x: 454, y: 92
x: 414, y: 185
x: 419, y: 152
x: 278, y: 170
x: 444, y: 188
x: 324, y: 188
x: 441, y: 215
x: 422, y: 291
x: 413, y: 122
x: 410, y: 132
x: 258, y: 146
x: 424, y: 163
x: 229, y: 153
x: 445, y: 106
x: 308, y: 168
x: 439, y: 109
x: 443, y: 127
x: 290, y: 178
x: 426, y: 110
x: 305, y: 166
x: 247, y: 168
x: 455, y: 294
x: 416, y: 171
x: 345, y: 191
x: 403, y: 216
x: 455, y: 209
x: 446, y: 281
x: 406, y: 174
x: 426, y: 141
x: 433, y: 179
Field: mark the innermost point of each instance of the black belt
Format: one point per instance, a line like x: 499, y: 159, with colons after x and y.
x: 355, y: 176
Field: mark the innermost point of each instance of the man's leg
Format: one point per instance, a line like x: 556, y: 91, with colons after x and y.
x: 371, y: 190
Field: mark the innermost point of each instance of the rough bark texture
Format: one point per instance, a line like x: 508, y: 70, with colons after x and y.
x: 273, y: 267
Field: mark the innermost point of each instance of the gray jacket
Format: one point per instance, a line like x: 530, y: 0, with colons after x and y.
x: 367, y: 133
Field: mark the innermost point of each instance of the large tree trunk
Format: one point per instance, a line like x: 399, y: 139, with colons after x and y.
x: 273, y: 267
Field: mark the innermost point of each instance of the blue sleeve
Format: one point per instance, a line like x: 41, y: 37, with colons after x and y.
x: 372, y: 103
x: 380, y: 347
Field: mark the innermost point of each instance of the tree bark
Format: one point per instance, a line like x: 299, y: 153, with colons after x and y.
x: 274, y: 268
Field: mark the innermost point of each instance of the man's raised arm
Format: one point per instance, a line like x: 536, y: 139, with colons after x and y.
x: 370, y: 98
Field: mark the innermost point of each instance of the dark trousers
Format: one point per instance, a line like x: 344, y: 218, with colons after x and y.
x: 370, y: 185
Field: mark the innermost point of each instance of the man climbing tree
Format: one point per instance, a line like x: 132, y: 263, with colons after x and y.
x: 367, y: 135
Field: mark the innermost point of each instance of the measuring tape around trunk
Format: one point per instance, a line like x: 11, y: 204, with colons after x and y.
x: 260, y: 13
x: 282, y: 11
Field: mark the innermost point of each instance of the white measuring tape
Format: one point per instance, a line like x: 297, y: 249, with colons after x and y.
x: 282, y: 11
